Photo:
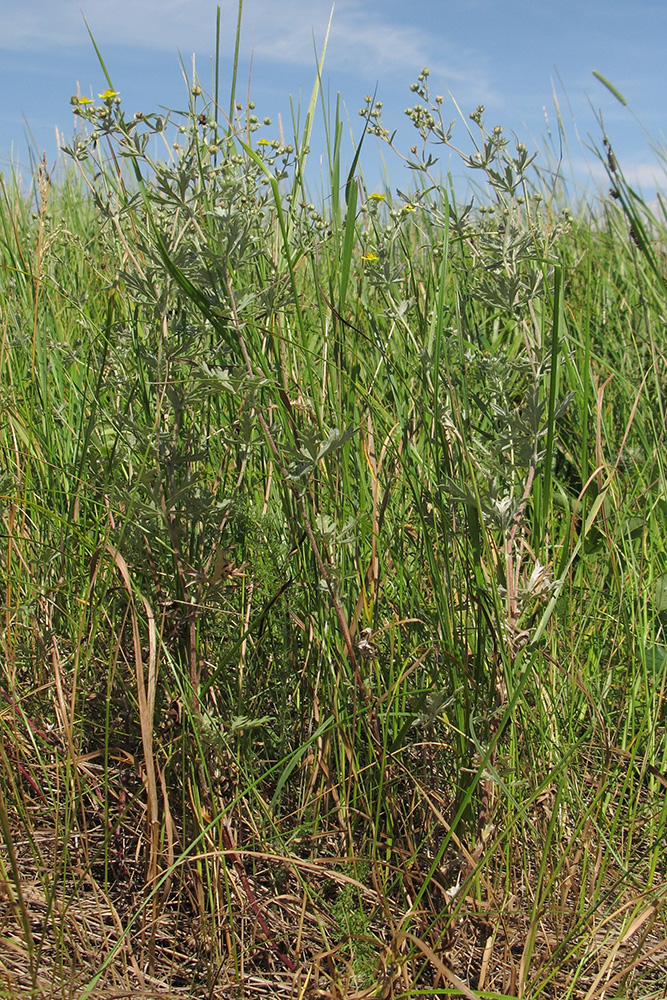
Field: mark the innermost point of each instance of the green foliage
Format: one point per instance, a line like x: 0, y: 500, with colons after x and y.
x: 333, y: 541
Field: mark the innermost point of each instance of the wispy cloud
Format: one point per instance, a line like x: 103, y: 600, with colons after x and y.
x: 42, y: 25
x: 643, y: 175
x: 147, y: 23
x: 365, y: 40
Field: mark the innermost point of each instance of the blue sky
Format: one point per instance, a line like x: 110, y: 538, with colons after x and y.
x: 510, y: 55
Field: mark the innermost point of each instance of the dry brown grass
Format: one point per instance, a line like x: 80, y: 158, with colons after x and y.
x: 234, y: 920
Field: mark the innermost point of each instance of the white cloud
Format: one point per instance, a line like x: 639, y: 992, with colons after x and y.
x: 279, y: 30
x: 644, y: 176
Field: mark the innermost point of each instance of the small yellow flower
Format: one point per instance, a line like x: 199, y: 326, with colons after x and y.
x: 409, y: 207
x: 370, y: 256
x: 263, y: 142
x: 377, y: 197
x: 82, y: 100
x: 108, y: 94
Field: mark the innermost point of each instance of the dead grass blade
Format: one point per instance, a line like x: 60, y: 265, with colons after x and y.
x: 146, y: 688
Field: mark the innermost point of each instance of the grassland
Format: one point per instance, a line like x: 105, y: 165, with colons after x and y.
x: 333, y: 571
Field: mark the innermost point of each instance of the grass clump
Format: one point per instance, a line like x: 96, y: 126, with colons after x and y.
x: 333, y: 572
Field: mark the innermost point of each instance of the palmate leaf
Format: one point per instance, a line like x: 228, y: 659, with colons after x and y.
x: 661, y: 593
x: 241, y: 723
x: 334, y: 441
x: 313, y: 450
x: 219, y: 379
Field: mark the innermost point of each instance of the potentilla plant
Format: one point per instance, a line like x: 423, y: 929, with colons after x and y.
x: 200, y: 250
x: 504, y: 255
x: 209, y: 238
x: 205, y: 203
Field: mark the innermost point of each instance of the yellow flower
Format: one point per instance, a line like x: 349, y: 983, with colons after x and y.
x: 82, y: 100
x: 377, y: 197
x: 409, y: 208
x: 370, y: 256
x: 108, y: 94
x: 263, y: 142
